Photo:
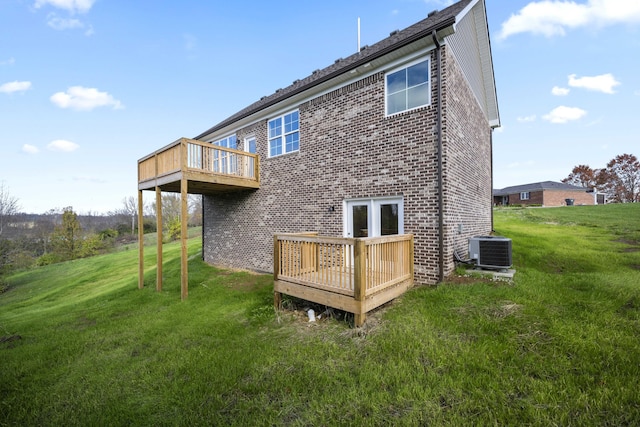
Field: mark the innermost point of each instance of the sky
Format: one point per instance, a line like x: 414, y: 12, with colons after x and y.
x: 87, y: 87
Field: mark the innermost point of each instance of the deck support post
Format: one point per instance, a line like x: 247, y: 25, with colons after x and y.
x: 184, y: 219
x: 359, y: 281
x: 277, y: 296
x: 159, y: 243
x: 140, y: 241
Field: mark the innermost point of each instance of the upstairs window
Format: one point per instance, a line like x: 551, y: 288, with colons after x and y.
x: 223, y: 161
x: 524, y: 196
x: 228, y: 142
x: 284, y: 134
x: 408, y: 88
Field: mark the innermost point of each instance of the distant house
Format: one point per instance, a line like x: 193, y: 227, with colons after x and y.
x: 547, y: 193
x: 393, y: 140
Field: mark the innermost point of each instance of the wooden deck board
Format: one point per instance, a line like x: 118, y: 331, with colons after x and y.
x: 355, y: 275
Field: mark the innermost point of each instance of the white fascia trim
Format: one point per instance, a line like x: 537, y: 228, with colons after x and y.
x: 282, y: 107
x: 463, y: 13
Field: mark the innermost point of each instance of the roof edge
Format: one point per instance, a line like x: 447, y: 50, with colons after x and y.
x: 440, y: 26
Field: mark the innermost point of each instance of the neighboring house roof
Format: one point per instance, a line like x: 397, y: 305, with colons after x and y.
x: 438, y: 22
x: 538, y: 186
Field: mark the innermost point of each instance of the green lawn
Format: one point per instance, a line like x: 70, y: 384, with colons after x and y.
x: 81, y: 345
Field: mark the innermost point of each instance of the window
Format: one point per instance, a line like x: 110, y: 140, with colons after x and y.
x: 284, y: 134
x: 223, y: 161
x: 228, y: 142
x: 408, y: 88
x: 524, y: 196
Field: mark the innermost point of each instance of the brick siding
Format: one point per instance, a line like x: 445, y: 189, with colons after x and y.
x: 550, y: 198
x: 348, y: 150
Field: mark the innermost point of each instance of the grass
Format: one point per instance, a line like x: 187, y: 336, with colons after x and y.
x: 81, y: 345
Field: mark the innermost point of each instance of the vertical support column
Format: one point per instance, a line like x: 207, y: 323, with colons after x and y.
x: 184, y: 219
x: 159, y: 244
x: 359, y: 278
x: 277, y: 296
x: 140, y: 241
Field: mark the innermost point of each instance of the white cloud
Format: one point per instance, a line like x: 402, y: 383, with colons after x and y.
x: 15, y: 86
x: 603, y: 83
x: 60, y: 24
x: 560, y: 91
x: 73, y: 6
x: 554, y: 17
x: 84, y: 99
x: 9, y: 61
x: 62, y: 145
x: 30, y: 149
x: 527, y: 119
x: 564, y: 114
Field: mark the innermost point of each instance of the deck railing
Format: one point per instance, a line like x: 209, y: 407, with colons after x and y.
x: 198, y: 156
x: 356, y: 268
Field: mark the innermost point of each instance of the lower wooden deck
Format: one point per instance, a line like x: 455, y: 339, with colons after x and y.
x: 354, y: 275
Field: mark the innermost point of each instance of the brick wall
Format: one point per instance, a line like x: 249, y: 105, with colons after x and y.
x: 549, y: 198
x: 557, y: 198
x: 349, y: 149
x: 467, y: 165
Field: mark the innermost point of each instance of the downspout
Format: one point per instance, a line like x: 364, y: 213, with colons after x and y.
x: 491, y: 165
x: 439, y: 132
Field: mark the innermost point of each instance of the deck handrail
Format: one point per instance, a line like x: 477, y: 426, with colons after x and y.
x: 197, y: 156
x: 357, y: 267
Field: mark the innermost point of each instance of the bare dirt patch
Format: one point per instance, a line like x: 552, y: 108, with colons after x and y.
x: 297, y: 310
x: 633, y: 245
x: 9, y: 341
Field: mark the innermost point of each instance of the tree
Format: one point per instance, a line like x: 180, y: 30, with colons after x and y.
x: 8, y: 207
x: 621, y: 178
x: 66, y: 239
x: 195, y: 207
x: 582, y: 176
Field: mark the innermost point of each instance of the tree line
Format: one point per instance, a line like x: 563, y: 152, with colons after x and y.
x: 619, y: 179
x: 57, y: 235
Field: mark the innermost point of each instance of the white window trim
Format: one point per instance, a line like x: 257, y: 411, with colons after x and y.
x: 525, y: 195
x: 373, y: 204
x: 223, y: 161
x: 401, y: 67
x: 283, y: 135
x: 216, y: 141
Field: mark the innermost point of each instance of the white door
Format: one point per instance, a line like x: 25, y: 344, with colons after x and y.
x: 249, y: 164
x: 358, y: 220
x: 374, y: 217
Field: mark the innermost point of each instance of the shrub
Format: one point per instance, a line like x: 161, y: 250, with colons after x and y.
x: 47, y: 259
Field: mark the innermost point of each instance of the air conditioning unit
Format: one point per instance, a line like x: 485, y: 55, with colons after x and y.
x: 490, y: 251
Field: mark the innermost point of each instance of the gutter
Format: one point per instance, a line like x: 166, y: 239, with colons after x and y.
x: 439, y: 132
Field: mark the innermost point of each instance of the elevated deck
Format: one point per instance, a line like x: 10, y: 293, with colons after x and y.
x: 207, y: 168
x: 196, y: 167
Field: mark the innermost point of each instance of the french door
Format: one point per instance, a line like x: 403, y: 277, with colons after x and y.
x: 249, y: 165
x: 373, y: 217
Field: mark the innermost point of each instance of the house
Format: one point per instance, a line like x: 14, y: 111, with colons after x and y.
x: 547, y: 193
x: 394, y: 140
